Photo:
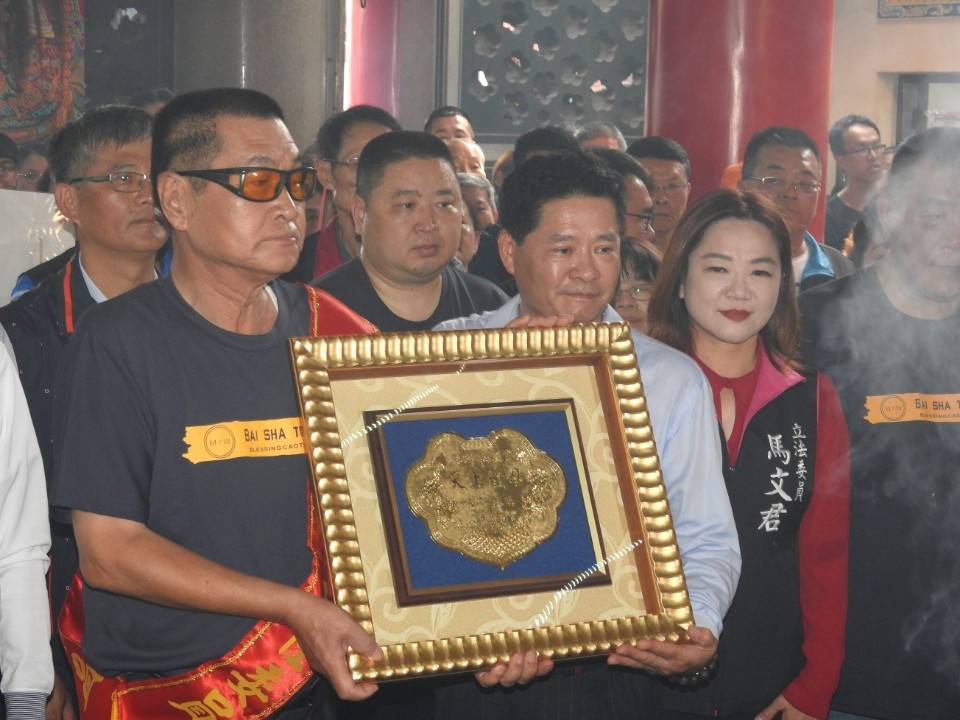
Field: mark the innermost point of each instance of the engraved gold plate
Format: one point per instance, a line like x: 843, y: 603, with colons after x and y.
x: 353, y: 389
x: 494, y: 499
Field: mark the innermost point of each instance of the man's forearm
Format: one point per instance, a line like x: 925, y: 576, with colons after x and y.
x: 127, y: 558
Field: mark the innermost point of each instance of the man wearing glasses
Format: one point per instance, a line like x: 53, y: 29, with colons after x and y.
x: 99, y: 164
x: 638, y: 216
x: 32, y: 175
x: 855, y: 144
x: 180, y: 449
x: 783, y: 163
x: 669, y: 168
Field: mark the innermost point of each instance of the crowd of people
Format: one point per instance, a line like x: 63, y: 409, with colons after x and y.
x: 803, y: 396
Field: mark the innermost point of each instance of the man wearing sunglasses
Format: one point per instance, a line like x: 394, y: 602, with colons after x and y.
x: 180, y: 445
x: 100, y: 165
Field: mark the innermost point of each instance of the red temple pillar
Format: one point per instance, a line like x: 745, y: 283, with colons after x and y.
x: 372, y: 59
x: 720, y: 70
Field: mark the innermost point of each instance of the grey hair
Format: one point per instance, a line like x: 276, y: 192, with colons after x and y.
x: 471, y: 180
x: 601, y: 129
x: 73, y: 149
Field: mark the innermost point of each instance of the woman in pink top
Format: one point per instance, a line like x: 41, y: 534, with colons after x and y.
x: 725, y: 295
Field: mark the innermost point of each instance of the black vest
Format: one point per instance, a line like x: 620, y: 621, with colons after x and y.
x: 38, y: 328
x: 770, y: 488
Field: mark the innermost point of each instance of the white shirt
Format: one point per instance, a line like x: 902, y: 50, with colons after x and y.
x: 25, y: 659
x: 800, y: 264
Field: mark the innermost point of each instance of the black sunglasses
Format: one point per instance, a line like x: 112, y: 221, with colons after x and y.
x: 261, y: 184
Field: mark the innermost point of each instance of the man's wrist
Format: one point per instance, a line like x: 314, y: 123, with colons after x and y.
x: 695, y: 677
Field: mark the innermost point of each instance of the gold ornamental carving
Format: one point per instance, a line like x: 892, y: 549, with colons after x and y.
x: 493, y: 499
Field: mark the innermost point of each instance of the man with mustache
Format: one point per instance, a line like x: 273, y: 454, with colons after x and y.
x: 407, y: 211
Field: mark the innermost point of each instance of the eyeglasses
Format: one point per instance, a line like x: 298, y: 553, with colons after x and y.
x: 121, y: 181
x: 640, y: 291
x: 781, y: 185
x: 351, y: 163
x: 876, y: 150
x: 31, y: 176
x: 645, y: 218
x: 260, y: 184
x: 8, y: 169
x: 674, y: 188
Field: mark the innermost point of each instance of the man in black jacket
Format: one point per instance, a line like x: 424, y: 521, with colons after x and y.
x: 100, y: 165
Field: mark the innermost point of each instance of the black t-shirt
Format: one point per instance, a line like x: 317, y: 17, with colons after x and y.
x: 170, y: 421
x: 898, y: 379
x: 462, y: 294
x: 840, y: 219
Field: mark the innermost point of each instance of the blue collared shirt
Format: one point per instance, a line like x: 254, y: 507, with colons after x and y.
x: 817, y: 261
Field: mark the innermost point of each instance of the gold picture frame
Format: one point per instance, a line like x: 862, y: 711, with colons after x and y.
x: 351, y: 388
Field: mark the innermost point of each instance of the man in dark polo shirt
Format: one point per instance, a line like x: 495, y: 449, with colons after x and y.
x: 407, y: 211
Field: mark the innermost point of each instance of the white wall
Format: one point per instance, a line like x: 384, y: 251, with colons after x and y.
x: 869, y: 53
x: 33, y: 231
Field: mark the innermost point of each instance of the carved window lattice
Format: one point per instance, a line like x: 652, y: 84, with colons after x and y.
x: 539, y: 62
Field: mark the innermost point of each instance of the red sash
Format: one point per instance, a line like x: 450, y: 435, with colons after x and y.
x: 253, y: 680
x: 264, y: 670
x: 328, y: 316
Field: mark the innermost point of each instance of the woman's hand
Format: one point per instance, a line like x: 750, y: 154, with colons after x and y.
x: 780, y: 705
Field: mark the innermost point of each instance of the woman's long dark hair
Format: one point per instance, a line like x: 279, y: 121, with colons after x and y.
x: 669, y: 320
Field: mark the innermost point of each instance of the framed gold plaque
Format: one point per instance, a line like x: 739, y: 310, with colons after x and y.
x: 485, y: 492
